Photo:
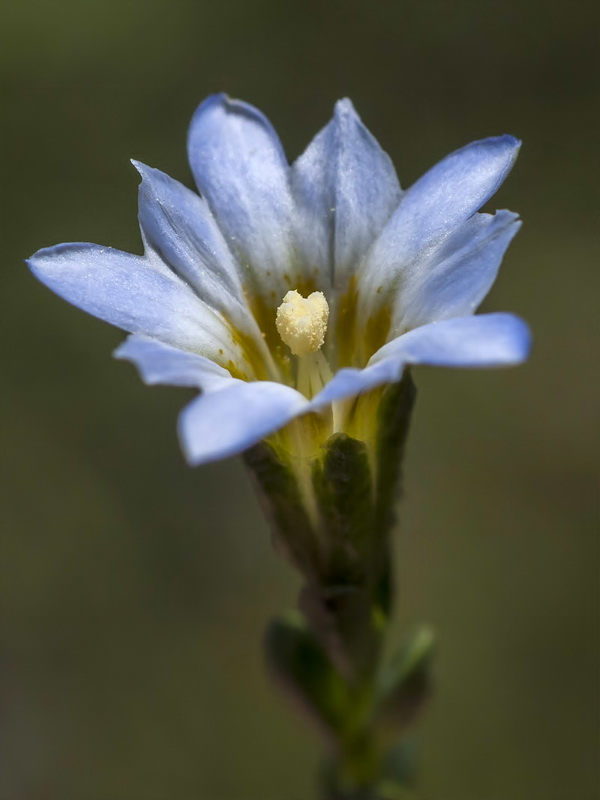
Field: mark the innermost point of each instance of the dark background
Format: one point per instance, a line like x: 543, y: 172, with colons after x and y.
x: 134, y: 589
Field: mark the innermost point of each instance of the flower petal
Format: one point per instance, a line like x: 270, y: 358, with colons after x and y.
x: 230, y: 416
x: 487, y: 340
x: 161, y: 363
x: 434, y: 206
x: 137, y: 293
x: 178, y: 225
x: 240, y: 168
x: 453, y: 281
x: 349, y: 382
x: 225, y: 422
x: 345, y: 188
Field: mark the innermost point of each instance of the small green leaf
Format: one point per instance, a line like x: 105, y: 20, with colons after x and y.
x: 299, y: 666
x: 344, y: 623
x: 406, y: 684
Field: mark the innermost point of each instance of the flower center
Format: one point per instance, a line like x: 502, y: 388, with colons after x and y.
x: 302, y: 325
x: 302, y: 322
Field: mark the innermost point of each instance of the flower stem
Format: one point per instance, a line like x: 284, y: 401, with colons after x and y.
x: 329, y: 656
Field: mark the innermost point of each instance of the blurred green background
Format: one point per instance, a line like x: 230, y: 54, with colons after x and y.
x: 135, y: 590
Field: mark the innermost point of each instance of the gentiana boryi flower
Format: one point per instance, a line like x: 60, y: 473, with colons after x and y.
x: 296, y: 298
x: 285, y: 292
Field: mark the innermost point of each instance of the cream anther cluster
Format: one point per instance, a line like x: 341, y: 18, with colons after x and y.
x: 302, y: 322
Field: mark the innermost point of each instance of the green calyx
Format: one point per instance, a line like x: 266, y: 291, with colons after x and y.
x: 331, y: 509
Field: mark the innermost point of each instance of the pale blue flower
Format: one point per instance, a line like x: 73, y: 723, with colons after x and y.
x: 402, y: 271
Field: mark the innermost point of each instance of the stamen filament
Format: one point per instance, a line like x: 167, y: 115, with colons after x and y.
x: 313, y: 373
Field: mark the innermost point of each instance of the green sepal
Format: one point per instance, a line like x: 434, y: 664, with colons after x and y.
x: 393, y: 423
x: 279, y: 494
x: 302, y: 670
x: 405, y: 684
x: 393, y: 405
x: 355, y: 484
x: 340, y: 604
x: 343, y: 486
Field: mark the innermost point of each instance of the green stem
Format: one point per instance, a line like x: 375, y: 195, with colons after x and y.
x: 329, y: 658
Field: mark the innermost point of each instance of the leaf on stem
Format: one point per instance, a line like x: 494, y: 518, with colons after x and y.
x: 301, y: 669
